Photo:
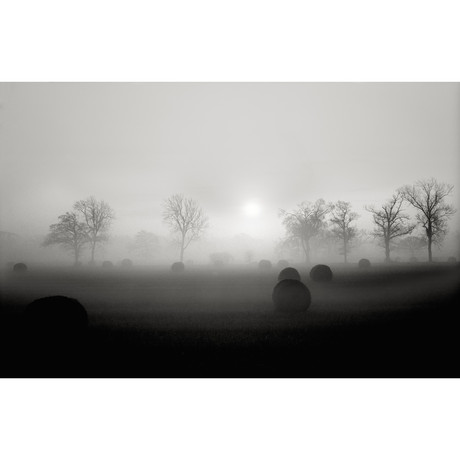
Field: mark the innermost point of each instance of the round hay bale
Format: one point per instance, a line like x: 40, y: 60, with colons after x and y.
x: 178, y: 267
x: 364, y: 263
x: 54, y: 316
x: 283, y: 263
x: 126, y: 263
x: 291, y: 296
x: 20, y: 267
x: 413, y: 260
x: 321, y: 273
x: 452, y: 260
x: 107, y: 264
x: 265, y: 265
x: 289, y: 273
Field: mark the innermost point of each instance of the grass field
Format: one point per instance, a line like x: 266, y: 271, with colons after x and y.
x: 386, y: 321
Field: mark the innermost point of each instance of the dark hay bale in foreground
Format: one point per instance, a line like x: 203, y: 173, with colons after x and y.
x: 321, y: 273
x: 283, y: 263
x: 265, y: 265
x: 178, y: 267
x: 56, y: 316
x: 291, y: 296
x: 20, y: 267
x: 289, y: 273
x: 364, y: 263
x: 107, y: 264
x: 126, y: 263
x: 452, y: 260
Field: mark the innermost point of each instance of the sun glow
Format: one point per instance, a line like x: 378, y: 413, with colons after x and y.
x: 252, y: 208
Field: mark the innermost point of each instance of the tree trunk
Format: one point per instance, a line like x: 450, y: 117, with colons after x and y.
x: 182, y: 248
x: 307, y: 252
x: 430, y: 254
x: 77, y: 253
x: 345, y: 250
x: 93, y: 248
x: 387, y: 250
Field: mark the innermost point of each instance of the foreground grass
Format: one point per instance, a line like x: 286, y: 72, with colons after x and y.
x: 386, y: 321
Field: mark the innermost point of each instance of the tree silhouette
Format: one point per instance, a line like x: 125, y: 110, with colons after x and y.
x: 342, y: 228
x: 185, y: 218
x: 306, y: 222
x: 145, y: 244
x: 98, y: 216
x: 390, y: 221
x: 70, y: 233
x: 413, y: 243
x: 428, y: 198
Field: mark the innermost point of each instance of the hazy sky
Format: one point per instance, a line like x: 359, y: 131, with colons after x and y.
x: 225, y: 145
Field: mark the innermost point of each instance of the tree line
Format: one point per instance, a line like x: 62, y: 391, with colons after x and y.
x: 89, y: 221
x: 428, y: 197
x: 87, y: 224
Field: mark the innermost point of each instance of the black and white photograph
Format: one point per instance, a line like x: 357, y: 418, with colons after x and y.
x: 230, y: 229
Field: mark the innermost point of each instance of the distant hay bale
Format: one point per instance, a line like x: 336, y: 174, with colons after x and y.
x: 178, y: 267
x: 20, y: 267
x: 321, y: 273
x: 126, y: 263
x: 289, y: 273
x: 452, y: 260
x: 413, y: 260
x: 56, y: 316
x: 265, y: 265
x: 291, y: 296
x: 107, y: 264
x: 364, y: 263
x: 283, y: 263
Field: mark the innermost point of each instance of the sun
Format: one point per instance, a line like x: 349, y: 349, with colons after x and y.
x: 252, y: 208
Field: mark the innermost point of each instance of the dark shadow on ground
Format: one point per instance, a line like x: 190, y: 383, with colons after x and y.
x: 377, y: 324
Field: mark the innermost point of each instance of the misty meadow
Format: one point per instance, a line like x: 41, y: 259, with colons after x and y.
x: 229, y: 230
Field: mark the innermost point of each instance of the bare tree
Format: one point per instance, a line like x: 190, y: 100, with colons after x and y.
x: 342, y: 228
x: 287, y: 248
x: 145, y: 244
x: 70, y: 233
x: 428, y: 198
x: 413, y: 244
x: 306, y: 222
x: 186, y: 218
x: 98, y: 216
x: 390, y: 221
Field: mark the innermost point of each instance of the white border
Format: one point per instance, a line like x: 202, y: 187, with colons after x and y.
x: 237, y: 41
